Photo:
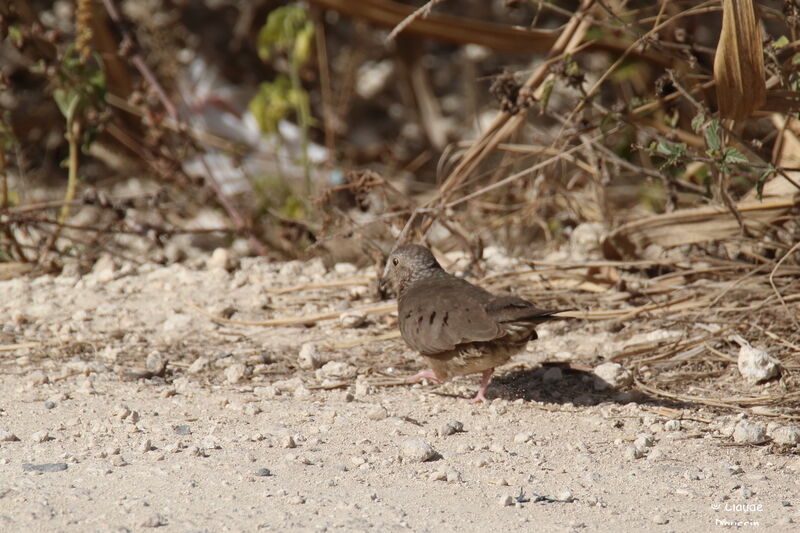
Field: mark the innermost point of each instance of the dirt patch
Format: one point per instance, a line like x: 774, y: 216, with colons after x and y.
x: 123, y: 407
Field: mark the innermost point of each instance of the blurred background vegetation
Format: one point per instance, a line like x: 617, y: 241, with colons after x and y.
x: 162, y: 129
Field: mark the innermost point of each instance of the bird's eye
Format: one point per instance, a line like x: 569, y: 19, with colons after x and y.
x: 395, y: 261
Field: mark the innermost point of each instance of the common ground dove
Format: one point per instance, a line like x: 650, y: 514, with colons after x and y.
x: 458, y: 327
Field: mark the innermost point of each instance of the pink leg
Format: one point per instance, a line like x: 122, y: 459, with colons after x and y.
x: 487, y: 375
x: 423, y: 374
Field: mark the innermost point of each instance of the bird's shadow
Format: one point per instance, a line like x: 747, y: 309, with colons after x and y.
x: 572, y: 385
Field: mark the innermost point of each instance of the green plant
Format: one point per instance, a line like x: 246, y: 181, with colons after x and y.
x: 80, y: 96
x: 290, y: 33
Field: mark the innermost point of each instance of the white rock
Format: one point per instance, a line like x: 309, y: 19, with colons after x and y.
x: 345, y: 268
x: 746, y: 432
x: 521, y: 438
x: 155, y: 362
x: 308, y: 358
x: 40, y: 436
x: 352, y: 319
x: 672, y: 425
x: 633, y: 453
x: 104, y: 269
x: 611, y: 375
x: 786, y: 435
x: 199, y: 364
x: 439, y: 475
x: 377, y: 412
x: 450, y: 427
x: 756, y: 366
x: 219, y: 260
x: 417, y: 450
x: 660, y: 519
x: 7, y: 436
x: 506, y: 500
x: 336, y: 370
x: 36, y: 378
x: 644, y: 440
x: 235, y: 373
x: 454, y: 476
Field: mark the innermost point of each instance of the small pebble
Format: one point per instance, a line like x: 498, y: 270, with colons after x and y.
x: 506, y: 500
x: 308, y: 358
x: 454, y: 476
x: 182, y: 430
x: 7, y: 436
x: 377, y: 412
x: 644, y: 440
x: 235, y: 373
x: 746, y: 432
x: 296, y: 500
x: 633, y: 453
x: 672, y: 425
x: 451, y: 427
x: 660, y: 519
x: 611, y: 375
x: 154, y: 520
x: 47, y: 467
x: 417, y: 450
x: 49, y: 404
x: 352, y: 319
x: 288, y: 442
x: 756, y: 366
x: 40, y: 436
x: 262, y: 472
x: 789, y: 435
x: 198, y: 365
x: 439, y: 475
x: 155, y: 363
x: 521, y: 438
x: 336, y: 370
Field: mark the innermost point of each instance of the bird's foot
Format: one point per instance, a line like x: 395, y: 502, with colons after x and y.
x: 480, y: 397
x: 424, y: 374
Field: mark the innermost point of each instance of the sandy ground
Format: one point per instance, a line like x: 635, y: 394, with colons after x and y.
x: 124, y: 408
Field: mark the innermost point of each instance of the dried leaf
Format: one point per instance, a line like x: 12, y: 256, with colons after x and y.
x: 739, y: 62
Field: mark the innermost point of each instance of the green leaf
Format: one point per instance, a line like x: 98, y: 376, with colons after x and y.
x: 67, y: 101
x: 698, y: 121
x: 272, y: 103
x: 732, y: 156
x: 282, y: 30
x: 547, y: 91
x: 674, y: 152
x: 712, y: 135
x: 15, y: 33
x: 780, y: 42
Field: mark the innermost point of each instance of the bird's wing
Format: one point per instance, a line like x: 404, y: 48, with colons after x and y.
x: 436, y: 315
x: 504, y: 309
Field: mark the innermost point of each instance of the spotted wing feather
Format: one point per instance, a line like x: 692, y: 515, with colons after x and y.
x: 439, y: 314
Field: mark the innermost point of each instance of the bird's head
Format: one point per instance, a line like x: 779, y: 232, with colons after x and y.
x: 407, y: 264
